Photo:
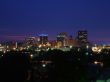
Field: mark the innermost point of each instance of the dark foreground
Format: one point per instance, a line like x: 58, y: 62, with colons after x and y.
x: 55, y: 66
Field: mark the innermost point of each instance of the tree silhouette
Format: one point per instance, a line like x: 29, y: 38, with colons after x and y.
x: 14, y: 67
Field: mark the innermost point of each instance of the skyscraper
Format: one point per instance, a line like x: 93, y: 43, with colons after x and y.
x: 62, y: 37
x: 43, y: 38
x: 82, y: 37
x: 30, y: 41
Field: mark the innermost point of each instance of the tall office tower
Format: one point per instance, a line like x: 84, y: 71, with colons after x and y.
x: 30, y: 41
x: 62, y: 37
x: 43, y: 38
x: 82, y: 37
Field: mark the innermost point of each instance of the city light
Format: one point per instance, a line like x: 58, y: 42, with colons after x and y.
x: 96, y: 62
x: 96, y: 49
x: 87, y: 53
x: 101, y: 63
x: 40, y: 46
x: 87, y: 46
x: 43, y: 65
x: 14, y: 48
x: 4, y: 51
x: 31, y: 56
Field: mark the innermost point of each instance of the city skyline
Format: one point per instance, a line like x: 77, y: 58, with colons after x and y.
x: 21, y: 37
x: 23, y: 18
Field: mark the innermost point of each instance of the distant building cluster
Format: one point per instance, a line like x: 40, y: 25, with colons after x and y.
x: 63, y: 41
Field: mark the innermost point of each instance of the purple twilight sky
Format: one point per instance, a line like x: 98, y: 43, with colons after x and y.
x: 20, y: 18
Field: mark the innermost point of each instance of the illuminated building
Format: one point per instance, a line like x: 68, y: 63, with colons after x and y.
x: 59, y: 44
x: 43, y: 38
x: 2, y: 48
x: 82, y: 37
x: 53, y: 43
x: 11, y: 44
x: 30, y: 41
x: 62, y: 37
x: 72, y: 42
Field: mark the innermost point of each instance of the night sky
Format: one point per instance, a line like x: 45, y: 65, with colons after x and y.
x: 21, y: 18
